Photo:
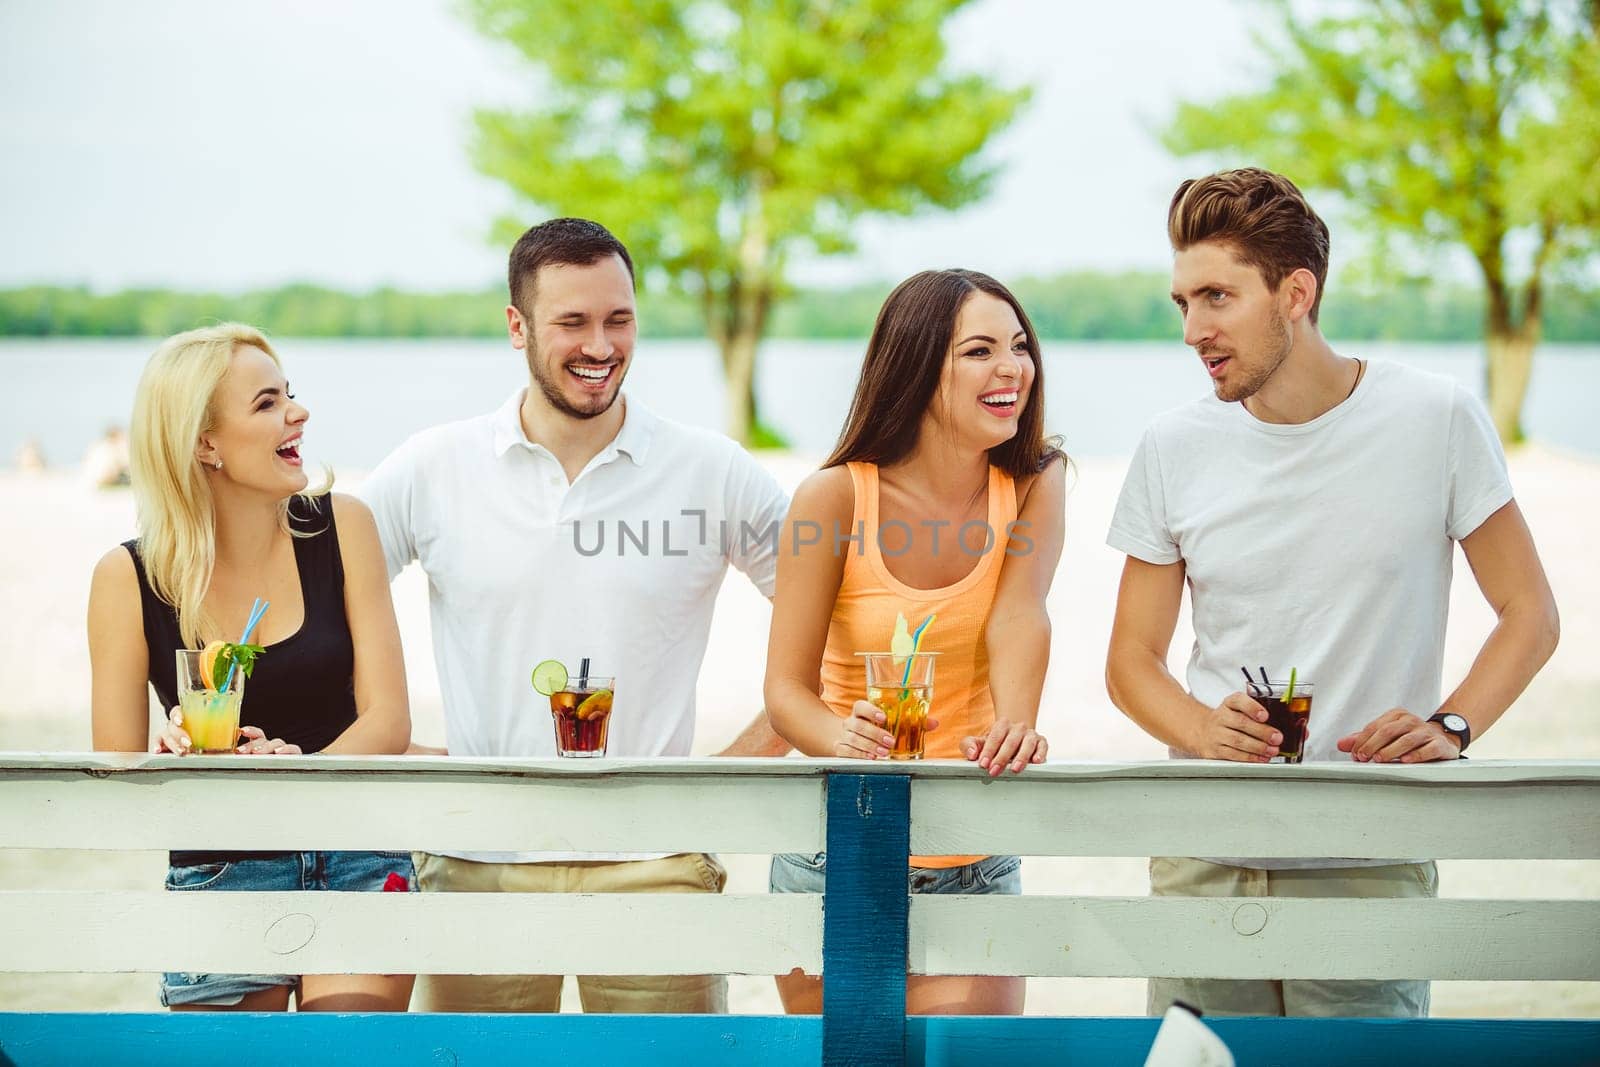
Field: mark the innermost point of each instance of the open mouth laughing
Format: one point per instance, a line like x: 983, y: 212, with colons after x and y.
x: 289, y: 451
x: 593, y: 377
x: 1001, y: 402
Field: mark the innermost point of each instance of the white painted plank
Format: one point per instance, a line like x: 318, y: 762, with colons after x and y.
x: 302, y: 933
x: 1465, y: 771
x: 1547, y: 809
x: 404, y: 933
x: 183, y: 809
x: 1260, y: 937
x: 1383, y: 818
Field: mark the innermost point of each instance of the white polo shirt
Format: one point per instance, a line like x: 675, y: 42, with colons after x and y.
x: 622, y: 566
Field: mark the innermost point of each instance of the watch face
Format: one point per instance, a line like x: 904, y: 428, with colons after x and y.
x: 1454, y: 722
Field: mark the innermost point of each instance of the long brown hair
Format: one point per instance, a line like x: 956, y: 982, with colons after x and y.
x: 900, y: 374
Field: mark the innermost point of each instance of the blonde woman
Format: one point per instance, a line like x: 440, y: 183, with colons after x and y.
x: 224, y: 518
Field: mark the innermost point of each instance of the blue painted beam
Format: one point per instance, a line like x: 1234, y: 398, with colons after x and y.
x: 192, y: 1039
x: 865, y: 914
x: 945, y: 1041
x: 318, y: 1039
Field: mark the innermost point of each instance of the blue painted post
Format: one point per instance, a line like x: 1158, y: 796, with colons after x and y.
x: 865, y: 909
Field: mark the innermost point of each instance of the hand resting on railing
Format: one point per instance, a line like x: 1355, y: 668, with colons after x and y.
x: 1014, y: 744
x: 175, y: 739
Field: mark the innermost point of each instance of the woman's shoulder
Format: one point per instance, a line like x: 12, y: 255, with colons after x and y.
x: 1053, y: 480
x: 824, y: 494
x: 313, y: 514
x: 116, y: 574
x: 347, y: 508
x: 358, y: 530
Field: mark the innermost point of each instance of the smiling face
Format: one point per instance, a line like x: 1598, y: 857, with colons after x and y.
x: 578, y: 334
x: 1238, y: 327
x: 987, y: 376
x: 256, y: 427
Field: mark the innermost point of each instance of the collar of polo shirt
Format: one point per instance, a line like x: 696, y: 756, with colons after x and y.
x: 633, y: 440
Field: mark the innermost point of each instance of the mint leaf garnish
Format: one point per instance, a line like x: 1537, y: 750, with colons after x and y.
x: 243, y: 655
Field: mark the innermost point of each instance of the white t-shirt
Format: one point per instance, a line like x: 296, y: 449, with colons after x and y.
x: 523, y: 567
x: 1325, y: 546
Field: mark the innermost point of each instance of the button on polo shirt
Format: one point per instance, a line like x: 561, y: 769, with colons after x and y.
x: 621, y: 566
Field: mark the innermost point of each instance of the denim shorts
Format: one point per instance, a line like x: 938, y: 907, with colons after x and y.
x: 798, y: 872
x: 339, y: 872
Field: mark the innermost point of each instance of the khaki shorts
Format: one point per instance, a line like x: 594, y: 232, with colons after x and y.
x: 693, y: 872
x: 1217, y: 996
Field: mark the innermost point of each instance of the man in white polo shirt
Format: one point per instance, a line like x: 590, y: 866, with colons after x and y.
x: 1312, y: 506
x: 573, y: 524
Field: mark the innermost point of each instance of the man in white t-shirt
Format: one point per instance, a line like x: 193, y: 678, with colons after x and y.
x: 573, y: 524
x: 1312, y: 505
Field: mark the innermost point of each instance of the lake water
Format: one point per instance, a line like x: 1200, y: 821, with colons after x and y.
x: 366, y: 396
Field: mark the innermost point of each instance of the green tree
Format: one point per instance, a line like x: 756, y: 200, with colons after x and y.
x: 1443, y: 124
x: 720, y: 138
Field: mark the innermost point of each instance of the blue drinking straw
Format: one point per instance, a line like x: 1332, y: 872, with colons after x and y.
x: 916, y: 641
x: 258, y: 609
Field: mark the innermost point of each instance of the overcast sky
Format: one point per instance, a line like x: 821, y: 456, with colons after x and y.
x: 228, y: 144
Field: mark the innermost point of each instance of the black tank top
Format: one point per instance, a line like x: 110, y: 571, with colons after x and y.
x: 303, y: 687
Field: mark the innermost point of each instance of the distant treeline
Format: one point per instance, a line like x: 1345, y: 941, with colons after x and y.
x: 1076, y: 306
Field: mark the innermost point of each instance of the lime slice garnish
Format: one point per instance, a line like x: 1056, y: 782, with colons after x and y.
x: 549, y: 677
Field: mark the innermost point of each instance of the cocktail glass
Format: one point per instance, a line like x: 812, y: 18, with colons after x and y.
x: 210, y: 714
x: 582, y: 714
x: 902, y: 688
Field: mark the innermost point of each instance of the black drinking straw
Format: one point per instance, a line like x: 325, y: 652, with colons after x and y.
x: 1249, y: 681
x: 1264, y: 680
x: 583, y: 673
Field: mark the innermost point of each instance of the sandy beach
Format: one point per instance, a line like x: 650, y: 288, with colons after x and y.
x: 53, y: 528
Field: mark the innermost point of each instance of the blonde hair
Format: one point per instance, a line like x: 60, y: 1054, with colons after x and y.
x: 173, y: 406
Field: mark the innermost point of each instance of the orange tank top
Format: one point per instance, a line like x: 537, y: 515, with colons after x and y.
x: 870, y: 598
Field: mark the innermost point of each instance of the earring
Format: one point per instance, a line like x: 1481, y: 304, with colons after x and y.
x: 219, y: 464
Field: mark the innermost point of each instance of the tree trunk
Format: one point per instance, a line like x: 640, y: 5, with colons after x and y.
x: 739, y: 371
x: 748, y: 301
x: 1510, y: 369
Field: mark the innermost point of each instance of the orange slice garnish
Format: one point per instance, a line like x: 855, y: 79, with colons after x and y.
x: 208, y: 663
x: 595, y: 705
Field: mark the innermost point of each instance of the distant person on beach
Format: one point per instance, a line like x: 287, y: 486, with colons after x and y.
x: 944, y: 501
x: 518, y: 518
x: 105, y: 464
x: 1312, y: 505
x: 30, y: 458
x: 225, y: 518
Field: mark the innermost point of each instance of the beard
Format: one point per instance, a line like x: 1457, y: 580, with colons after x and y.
x: 551, y: 388
x: 1279, y: 340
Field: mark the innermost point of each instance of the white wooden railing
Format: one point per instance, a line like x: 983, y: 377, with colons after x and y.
x: 875, y: 812
x: 1483, y: 810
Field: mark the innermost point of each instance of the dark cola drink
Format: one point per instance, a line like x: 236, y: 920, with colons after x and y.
x: 1289, y: 714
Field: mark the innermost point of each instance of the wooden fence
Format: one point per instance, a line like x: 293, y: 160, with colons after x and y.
x: 863, y: 933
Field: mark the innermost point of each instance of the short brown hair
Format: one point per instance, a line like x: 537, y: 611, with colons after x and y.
x: 1263, y: 215
x: 563, y: 242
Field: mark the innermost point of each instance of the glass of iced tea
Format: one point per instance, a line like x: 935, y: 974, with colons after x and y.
x: 582, y: 712
x: 902, y: 688
x: 210, y: 708
x: 1288, y: 712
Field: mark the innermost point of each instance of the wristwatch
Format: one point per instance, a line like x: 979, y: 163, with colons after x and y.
x: 1455, y: 726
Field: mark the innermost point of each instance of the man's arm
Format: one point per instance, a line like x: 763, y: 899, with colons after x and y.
x: 1141, y: 686
x: 1506, y: 565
